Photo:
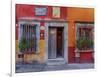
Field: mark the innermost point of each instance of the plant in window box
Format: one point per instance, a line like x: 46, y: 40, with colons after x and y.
x: 27, y: 45
x: 22, y: 46
x: 84, y: 43
x: 30, y: 45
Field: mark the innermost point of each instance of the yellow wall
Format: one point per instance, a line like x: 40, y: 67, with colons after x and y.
x: 32, y: 57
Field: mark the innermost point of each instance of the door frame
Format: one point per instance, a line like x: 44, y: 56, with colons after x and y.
x: 57, y: 24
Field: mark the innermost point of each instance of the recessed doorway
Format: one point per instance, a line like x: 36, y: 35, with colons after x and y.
x: 60, y: 42
x: 56, y: 42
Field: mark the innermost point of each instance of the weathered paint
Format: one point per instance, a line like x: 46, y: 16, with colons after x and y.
x: 17, y: 46
x: 74, y: 15
x: 70, y: 14
x: 86, y: 57
x: 71, y: 55
x: 23, y: 10
x: 77, y: 14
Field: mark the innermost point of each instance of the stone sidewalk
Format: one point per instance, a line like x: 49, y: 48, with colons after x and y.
x: 34, y: 67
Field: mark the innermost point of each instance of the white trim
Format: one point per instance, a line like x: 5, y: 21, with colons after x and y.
x: 40, y: 19
x: 84, y: 24
x: 57, y: 24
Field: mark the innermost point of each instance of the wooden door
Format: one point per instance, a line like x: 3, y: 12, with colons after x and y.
x: 52, y: 43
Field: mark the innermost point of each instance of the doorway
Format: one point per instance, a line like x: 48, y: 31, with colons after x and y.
x: 56, y: 42
x: 60, y: 43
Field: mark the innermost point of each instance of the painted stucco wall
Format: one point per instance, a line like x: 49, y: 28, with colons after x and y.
x: 70, y: 14
x: 76, y: 15
x: 80, y: 14
x: 23, y: 10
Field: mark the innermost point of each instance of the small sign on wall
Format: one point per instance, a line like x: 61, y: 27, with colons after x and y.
x: 42, y: 28
x: 40, y: 11
x: 56, y: 12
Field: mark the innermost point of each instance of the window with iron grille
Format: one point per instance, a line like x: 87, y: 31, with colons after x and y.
x: 30, y: 35
x: 85, y: 35
x: 84, y: 30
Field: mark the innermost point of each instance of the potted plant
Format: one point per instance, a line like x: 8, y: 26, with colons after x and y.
x: 22, y: 45
x: 84, y: 43
x: 27, y: 45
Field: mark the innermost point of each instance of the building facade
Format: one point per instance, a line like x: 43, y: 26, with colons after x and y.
x: 46, y: 34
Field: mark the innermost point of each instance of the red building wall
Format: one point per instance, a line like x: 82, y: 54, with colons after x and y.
x: 24, y: 10
x: 70, y: 14
x: 28, y: 11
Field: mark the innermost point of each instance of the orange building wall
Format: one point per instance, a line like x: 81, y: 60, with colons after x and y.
x: 80, y: 14
x: 77, y: 14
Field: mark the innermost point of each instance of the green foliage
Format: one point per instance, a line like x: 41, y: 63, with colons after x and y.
x: 27, y: 43
x: 84, y: 43
x: 22, y: 44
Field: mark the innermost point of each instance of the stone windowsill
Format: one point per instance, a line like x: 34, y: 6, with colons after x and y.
x: 83, y: 51
x: 31, y: 52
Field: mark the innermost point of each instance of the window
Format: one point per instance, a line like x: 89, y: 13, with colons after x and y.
x: 84, y: 36
x: 30, y: 35
x: 84, y: 30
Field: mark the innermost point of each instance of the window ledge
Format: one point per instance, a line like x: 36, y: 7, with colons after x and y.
x: 31, y: 52
x: 84, y: 51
